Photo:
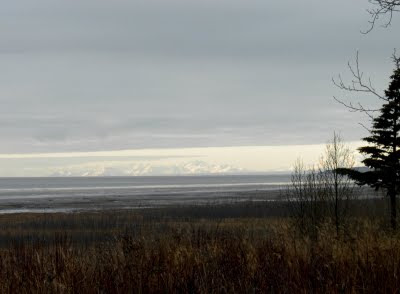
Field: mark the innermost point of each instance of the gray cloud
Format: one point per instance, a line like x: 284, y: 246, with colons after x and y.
x: 93, y: 75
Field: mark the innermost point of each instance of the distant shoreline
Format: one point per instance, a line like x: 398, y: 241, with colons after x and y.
x: 126, y: 202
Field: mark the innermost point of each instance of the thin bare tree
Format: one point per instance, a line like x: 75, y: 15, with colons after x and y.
x: 339, y: 188
x: 319, y: 193
x: 305, y: 196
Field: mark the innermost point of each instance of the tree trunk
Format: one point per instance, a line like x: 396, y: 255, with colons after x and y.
x: 393, y: 209
x: 336, y: 207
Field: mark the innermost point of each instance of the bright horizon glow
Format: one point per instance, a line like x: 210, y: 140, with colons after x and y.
x: 250, y: 159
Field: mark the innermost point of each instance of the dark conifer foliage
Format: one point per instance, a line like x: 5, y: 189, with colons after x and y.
x: 383, y: 151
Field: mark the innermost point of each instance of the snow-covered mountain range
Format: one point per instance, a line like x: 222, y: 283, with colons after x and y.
x: 148, y: 169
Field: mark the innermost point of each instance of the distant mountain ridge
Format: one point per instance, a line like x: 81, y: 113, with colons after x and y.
x: 147, y: 169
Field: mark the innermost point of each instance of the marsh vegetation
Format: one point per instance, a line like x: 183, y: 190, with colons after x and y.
x: 232, y: 248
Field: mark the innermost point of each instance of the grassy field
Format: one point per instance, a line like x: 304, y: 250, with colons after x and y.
x: 236, y: 248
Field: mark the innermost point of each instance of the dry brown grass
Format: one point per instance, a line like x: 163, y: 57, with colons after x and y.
x: 180, y: 255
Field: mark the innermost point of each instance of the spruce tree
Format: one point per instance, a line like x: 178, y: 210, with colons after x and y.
x: 382, y: 154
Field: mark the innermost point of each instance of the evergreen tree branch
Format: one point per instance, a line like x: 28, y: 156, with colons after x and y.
x: 396, y: 59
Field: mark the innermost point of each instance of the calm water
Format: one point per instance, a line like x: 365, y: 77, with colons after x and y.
x: 69, y: 194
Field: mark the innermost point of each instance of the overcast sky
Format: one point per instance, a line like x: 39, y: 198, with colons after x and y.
x: 97, y: 75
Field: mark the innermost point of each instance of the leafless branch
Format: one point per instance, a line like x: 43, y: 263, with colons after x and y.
x: 358, y: 108
x: 382, y: 8
x: 367, y: 129
x: 358, y: 84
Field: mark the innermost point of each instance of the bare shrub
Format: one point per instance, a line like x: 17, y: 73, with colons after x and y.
x: 339, y: 189
x: 321, y: 194
x: 305, y: 197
